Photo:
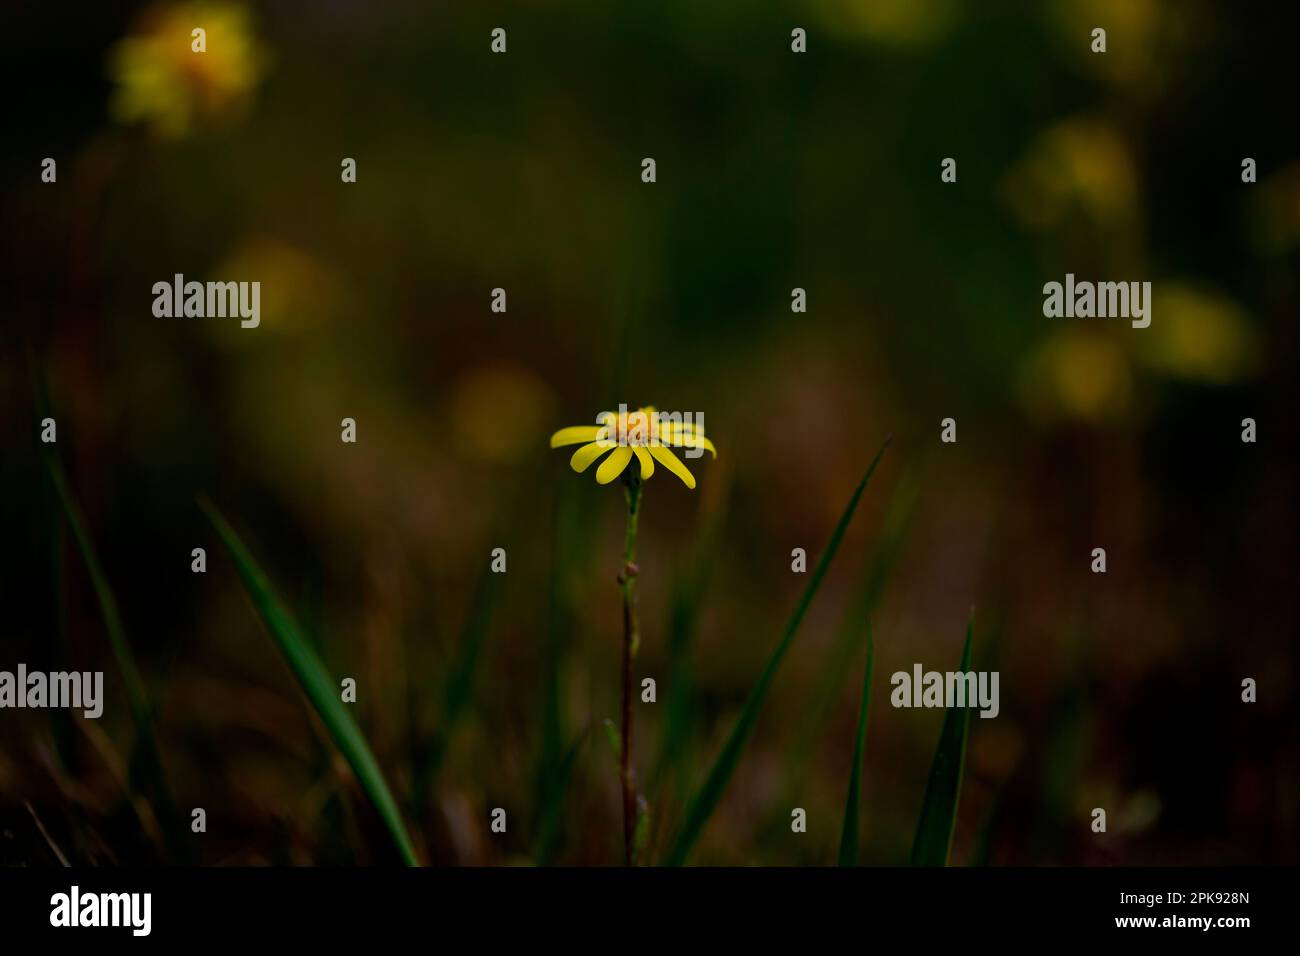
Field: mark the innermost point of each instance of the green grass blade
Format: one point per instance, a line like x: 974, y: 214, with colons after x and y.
x: 710, y: 793
x: 460, y: 684
x: 551, y: 820
x: 845, y: 646
x: 104, y: 594
x: 53, y: 527
x: 685, y: 604
x: 983, y: 851
x: 943, y: 790
x: 146, y: 773
x: 321, y: 690
x: 550, y: 778
x: 849, y: 835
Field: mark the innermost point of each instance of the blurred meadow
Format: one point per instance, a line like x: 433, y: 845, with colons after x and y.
x: 775, y: 171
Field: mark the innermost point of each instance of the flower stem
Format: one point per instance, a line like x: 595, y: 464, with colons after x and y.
x: 631, y: 641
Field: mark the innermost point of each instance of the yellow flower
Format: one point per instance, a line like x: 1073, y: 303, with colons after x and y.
x: 162, y: 81
x: 643, y: 434
x: 1202, y: 335
x: 1078, y: 167
x: 1078, y: 375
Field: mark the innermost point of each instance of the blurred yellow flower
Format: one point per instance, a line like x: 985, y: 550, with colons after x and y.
x: 161, y: 81
x: 1078, y: 376
x: 1136, y: 34
x: 307, y: 293
x: 1200, y: 335
x: 644, y: 434
x: 499, y: 410
x: 1079, y: 166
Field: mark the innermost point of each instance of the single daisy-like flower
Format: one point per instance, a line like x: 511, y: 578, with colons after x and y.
x: 623, y: 435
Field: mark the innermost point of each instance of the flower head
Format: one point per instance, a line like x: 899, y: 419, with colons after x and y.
x: 163, y: 81
x: 645, y: 434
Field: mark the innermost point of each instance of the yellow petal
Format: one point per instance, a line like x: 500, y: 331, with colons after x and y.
x: 613, y: 466
x: 674, y: 434
x: 647, y: 463
x: 665, y: 457
x: 584, y: 456
x: 575, y: 435
x: 689, y: 428
x: 694, y: 441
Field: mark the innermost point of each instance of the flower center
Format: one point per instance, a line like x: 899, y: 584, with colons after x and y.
x: 631, y: 428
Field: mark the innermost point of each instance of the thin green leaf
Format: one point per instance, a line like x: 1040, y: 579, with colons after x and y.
x: 710, y: 793
x: 641, y: 834
x: 53, y: 520
x: 321, y: 690
x: 548, y: 829
x: 107, y: 603
x: 983, y: 851
x: 845, y: 646
x: 849, y: 835
x: 938, y: 819
x: 614, y: 737
x: 461, y: 681
x: 568, y: 533
x: 146, y: 770
x: 685, y: 603
x: 460, y: 684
